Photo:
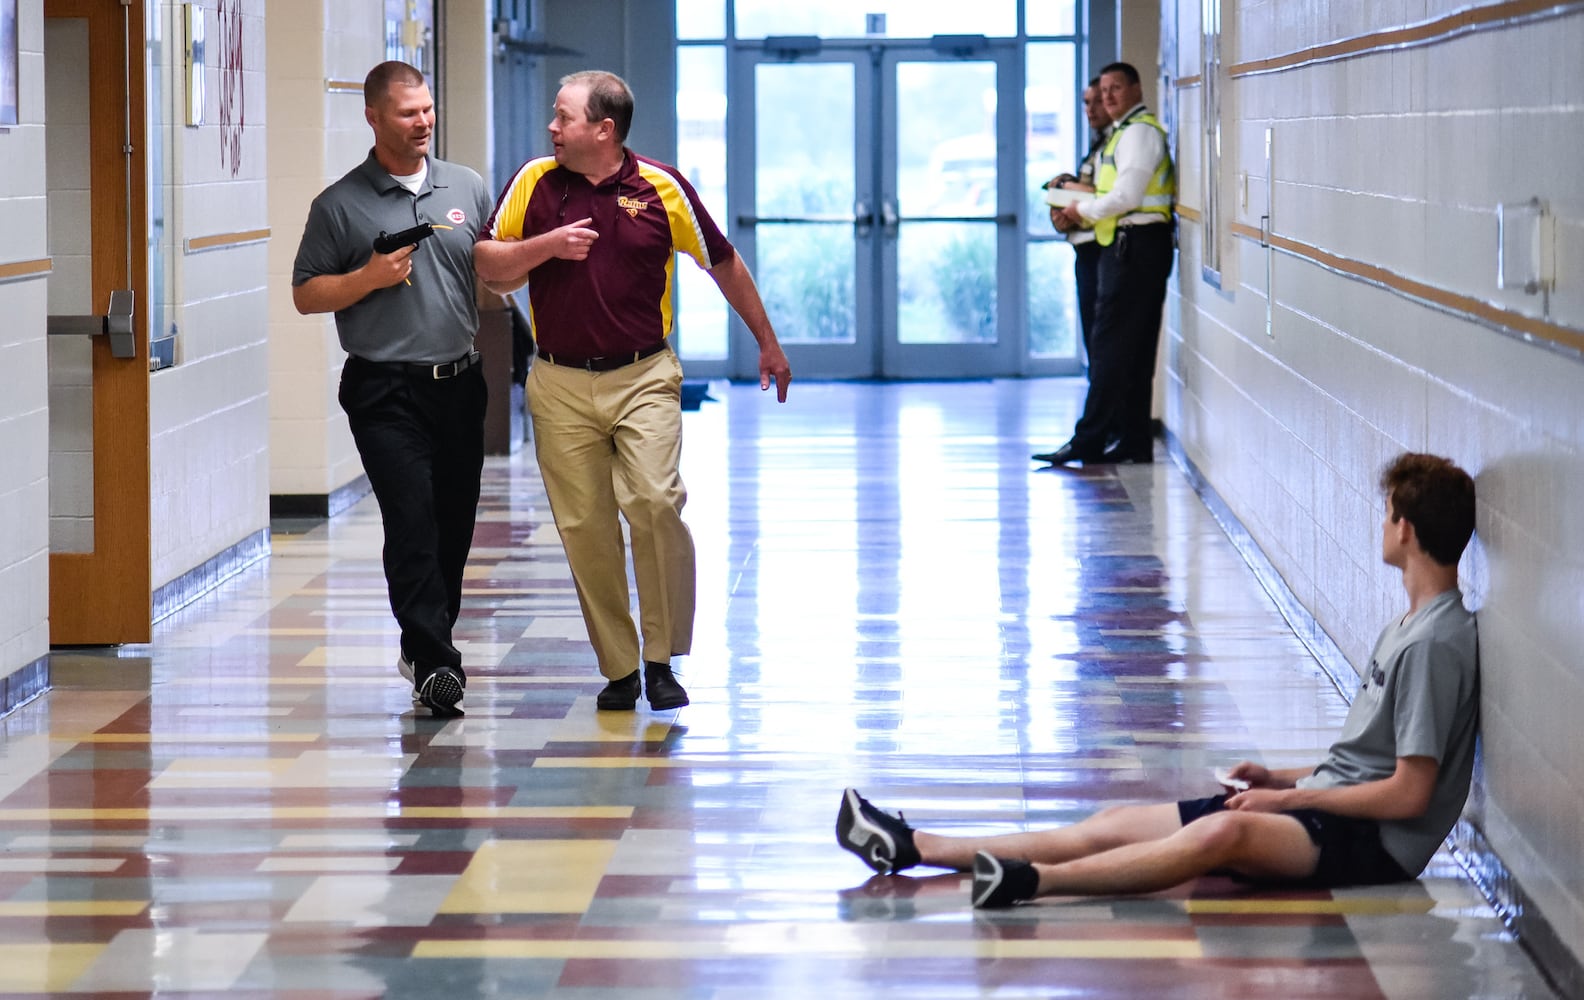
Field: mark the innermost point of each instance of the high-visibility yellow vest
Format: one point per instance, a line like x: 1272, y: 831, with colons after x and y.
x: 1158, y: 195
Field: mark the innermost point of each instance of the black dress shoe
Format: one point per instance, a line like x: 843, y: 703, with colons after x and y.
x: 663, y: 690
x: 1117, y: 455
x: 1066, y: 454
x: 619, y: 696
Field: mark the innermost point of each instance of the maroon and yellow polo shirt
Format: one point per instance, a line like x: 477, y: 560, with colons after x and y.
x: 619, y: 299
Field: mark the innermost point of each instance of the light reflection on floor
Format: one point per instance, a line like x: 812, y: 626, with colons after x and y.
x: 889, y: 596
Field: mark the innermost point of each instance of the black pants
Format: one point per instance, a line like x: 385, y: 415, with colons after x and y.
x: 422, y: 444
x: 1128, y: 300
x: 1086, y: 278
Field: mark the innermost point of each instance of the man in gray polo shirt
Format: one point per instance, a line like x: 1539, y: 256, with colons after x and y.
x: 1374, y: 811
x: 412, y: 387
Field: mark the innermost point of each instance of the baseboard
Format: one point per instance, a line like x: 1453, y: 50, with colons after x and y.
x: 200, y: 580
x: 1299, y: 619
x: 1470, y: 849
x: 318, y: 505
x: 24, y: 684
x: 1534, y: 932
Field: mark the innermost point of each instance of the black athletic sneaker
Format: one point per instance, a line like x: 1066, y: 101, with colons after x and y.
x: 441, y: 691
x: 883, y: 841
x: 1001, y: 882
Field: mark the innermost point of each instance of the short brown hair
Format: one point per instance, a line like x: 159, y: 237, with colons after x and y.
x: 381, y: 77
x: 1437, y: 498
x: 608, y: 97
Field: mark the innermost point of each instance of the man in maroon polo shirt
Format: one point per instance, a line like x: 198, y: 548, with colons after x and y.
x: 594, y: 231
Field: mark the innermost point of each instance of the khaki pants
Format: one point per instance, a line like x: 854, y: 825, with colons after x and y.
x: 609, y: 442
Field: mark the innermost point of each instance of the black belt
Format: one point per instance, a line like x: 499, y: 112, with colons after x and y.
x: 445, y: 369
x: 605, y: 364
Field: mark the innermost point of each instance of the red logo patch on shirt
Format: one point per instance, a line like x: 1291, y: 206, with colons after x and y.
x: 457, y: 216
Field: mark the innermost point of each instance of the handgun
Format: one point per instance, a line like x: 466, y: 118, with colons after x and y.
x: 391, y: 242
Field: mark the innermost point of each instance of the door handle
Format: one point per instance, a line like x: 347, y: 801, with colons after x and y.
x: 116, y: 324
x: 888, y: 215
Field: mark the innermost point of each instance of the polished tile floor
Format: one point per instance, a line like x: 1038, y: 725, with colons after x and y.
x: 889, y: 597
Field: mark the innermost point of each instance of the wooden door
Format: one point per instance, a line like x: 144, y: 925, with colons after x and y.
x: 100, y: 587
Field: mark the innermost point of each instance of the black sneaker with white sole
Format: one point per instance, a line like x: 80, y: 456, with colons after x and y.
x: 441, y: 691
x: 1002, y: 882
x: 883, y: 841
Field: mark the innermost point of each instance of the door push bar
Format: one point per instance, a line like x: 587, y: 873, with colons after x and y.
x: 117, y: 323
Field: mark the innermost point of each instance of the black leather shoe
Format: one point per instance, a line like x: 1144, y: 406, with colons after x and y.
x: 1067, y: 454
x: 661, y: 685
x: 619, y: 696
x: 1117, y: 455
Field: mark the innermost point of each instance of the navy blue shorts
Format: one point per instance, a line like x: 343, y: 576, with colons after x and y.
x: 1350, y: 849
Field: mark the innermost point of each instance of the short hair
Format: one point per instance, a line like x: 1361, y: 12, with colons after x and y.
x: 608, y: 97
x: 1092, y: 83
x: 381, y: 77
x: 1126, y: 69
x: 1437, y: 498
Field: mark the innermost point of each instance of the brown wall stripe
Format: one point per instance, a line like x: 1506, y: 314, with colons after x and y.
x: 1520, y: 325
x: 344, y: 86
x: 1441, y: 29
x: 1184, y: 82
x: 26, y: 268
x: 226, y: 239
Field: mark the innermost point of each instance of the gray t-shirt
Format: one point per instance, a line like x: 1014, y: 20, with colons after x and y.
x: 1419, y: 698
x: 430, y: 318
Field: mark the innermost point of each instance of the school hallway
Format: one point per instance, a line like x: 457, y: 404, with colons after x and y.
x: 890, y: 596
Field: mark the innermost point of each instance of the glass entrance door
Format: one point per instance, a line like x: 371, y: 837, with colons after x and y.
x: 882, y: 223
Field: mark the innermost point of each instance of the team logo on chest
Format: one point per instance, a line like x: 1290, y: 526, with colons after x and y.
x: 457, y: 216
x: 632, y: 206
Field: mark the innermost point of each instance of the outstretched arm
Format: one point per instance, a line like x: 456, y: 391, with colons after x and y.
x: 737, y: 285
x: 1403, y: 795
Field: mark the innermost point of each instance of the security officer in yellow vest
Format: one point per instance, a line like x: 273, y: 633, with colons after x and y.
x: 1131, y: 215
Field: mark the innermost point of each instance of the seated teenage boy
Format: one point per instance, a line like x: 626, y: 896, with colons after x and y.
x: 1373, y: 811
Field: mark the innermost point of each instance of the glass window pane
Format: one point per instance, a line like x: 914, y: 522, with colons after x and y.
x: 700, y: 19
x: 804, y: 162
x: 702, y: 321
x: 1052, y: 300
x: 805, y: 276
x: 946, y: 283
x: 1057, y: 133
x: 904, y: 18
x: 946, y: 138
x: 1050, y: 17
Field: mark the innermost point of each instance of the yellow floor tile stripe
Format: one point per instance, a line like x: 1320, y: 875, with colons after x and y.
x: 531, y: 876
x: 44, y: 908
x: 43, y: 967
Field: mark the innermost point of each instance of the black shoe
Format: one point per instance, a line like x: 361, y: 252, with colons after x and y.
x: 1002, y: 882
x: 441, y: 691
x: 1117, y: 455
x: 619, y: 696
x: 883, y: 841
x: 663, y: 690
x: 1066, y: 455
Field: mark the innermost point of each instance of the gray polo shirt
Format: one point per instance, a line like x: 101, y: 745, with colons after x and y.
x: 1419, y: 698
x: 430, y: 318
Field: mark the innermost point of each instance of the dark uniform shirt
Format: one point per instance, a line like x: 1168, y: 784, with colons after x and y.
x: 618, y: 300
x: 431, y: 317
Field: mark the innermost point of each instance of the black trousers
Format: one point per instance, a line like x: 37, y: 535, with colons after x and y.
x: 1130, y: 293
x: 1086, y: 278
x: 422, y: 444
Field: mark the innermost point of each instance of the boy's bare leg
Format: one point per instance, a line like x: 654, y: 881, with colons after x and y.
x: 1260, y: 845
x: 1106, y: 830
